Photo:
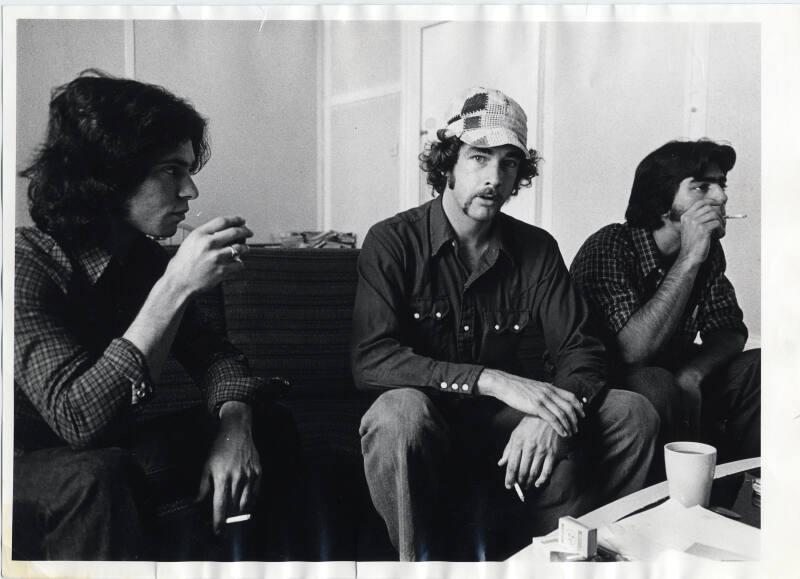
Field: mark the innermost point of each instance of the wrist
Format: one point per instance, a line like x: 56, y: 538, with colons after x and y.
x: 235, y: 412
x: 488, y: 383
x: 174, y: 286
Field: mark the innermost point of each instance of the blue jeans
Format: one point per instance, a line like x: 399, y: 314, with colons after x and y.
x: 101, y: 504
x: 431, y: 468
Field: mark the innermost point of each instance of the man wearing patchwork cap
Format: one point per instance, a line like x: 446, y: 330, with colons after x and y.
x: 456, y: 304
x: 657, y: 281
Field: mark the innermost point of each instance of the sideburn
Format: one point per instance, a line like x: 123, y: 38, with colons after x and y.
x: 451, y: 180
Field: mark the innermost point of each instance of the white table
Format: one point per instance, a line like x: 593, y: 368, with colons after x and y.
x: 627, y: 505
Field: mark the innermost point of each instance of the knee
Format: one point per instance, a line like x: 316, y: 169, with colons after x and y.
x: 636, y: 414
x: 105, y: 472
x: 658, y: 386
x: 404, y: 417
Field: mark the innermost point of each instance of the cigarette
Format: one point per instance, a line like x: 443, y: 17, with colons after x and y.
x: 736, y: 216
x: 519, y: 492
x: 238, y: 518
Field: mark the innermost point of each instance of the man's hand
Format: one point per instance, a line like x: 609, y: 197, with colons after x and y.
x: 532, y: 451
x: 205, y: 258
x: 559, y: 408
x: 233, y: 467
x: 689, y: 380
x: 698, y: 223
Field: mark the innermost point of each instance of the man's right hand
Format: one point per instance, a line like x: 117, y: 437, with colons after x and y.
x: 698, y: 223
x: 204, y: 259
x: 559, y: 408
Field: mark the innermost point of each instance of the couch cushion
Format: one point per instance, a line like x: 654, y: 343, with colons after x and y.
x: 290, y: 311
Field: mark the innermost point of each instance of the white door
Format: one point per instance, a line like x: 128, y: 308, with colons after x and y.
x: 500, y: 55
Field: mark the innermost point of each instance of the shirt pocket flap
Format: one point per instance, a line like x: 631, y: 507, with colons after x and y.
x: 430, y: 309
x: 507, y: 322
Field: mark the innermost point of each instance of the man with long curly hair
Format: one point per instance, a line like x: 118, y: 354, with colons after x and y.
x: 456, y: 304
x: 98, y: 306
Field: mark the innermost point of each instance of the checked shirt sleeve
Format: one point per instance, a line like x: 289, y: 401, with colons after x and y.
x: 720, y: 310
x: 601, y: 272
x: 78, y: 394
x: 221, y: 370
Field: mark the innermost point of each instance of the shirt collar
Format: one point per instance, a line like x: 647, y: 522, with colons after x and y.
x: 442, y: 232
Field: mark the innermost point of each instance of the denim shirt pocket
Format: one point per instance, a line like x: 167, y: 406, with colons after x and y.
x: 504, y: 331
x: 431, y: 326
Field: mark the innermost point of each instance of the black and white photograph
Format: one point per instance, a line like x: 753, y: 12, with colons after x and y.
x: 399, y: 291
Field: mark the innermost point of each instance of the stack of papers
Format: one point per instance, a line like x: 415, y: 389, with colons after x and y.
x: 671, y: 526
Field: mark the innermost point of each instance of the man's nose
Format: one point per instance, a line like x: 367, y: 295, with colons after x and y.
x: 719, y: 195
x: 189, y: 189
x: 493, y: 173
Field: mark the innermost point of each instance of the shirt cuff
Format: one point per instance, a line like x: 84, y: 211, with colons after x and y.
x: 131, y: 363
x: 456, y: 378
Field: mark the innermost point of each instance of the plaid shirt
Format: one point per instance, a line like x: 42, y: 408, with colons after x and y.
x: 421, y: 319
x: 75, y: 379
x: 619, y: 269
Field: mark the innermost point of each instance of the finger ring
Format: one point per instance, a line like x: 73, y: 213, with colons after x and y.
x: 234, y: 253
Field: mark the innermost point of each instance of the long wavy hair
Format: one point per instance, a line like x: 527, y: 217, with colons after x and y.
x: 440, y: 156
x: 104, y: 134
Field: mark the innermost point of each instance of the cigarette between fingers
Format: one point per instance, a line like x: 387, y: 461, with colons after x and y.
x: 519, y: 492
x: 238, y: 518
x: 736, y: 216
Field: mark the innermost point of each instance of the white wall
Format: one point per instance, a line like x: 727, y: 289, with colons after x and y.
x: 362, y: 105
x: 256, y: 82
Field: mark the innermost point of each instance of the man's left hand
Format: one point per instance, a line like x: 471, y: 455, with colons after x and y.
x: 531, y: 453
x: 233, y: 468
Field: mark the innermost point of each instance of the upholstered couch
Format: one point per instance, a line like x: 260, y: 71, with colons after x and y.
x: 290, y: 312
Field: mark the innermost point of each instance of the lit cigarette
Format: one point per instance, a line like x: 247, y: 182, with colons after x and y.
x: 519, y: 492
x: 736, y: 216
x: 238, y: 518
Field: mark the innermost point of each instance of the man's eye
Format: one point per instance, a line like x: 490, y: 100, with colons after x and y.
x: 704, y: 187
x: 512, y: 164
x: 479, y: 158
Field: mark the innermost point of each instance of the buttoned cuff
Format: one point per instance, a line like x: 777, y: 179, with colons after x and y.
x: 585, y: 390
x: 131, y: 363
x: 456, y: 378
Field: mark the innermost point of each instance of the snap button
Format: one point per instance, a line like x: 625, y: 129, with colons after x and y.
x: 465, y: 387
x: 416, y: 315
x: 516, y: 327
x: 497, y: 327
x: 443, y: 384
x: 584, y: 400
x: 466, y: 328
x: 454, y: 386
x: 438, y: 315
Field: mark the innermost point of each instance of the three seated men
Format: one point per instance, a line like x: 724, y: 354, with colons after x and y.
x: 98, y: 306
x: 657, y: 281
x: 491, y: 374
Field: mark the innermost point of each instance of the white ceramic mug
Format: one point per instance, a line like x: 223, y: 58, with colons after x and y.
x: 690, y: 472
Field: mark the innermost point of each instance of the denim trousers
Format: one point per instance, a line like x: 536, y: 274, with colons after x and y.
x: 431, y: 467
x: 101, y: 504
x: 731, y: 404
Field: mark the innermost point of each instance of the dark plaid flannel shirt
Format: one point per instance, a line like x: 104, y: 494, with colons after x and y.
x: 422, y: 320
x: 76, y: 380
x: 619, y: 269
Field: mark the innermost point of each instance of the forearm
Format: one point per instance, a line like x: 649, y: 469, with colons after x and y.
x: 651, y: 327
x: 154, y: 328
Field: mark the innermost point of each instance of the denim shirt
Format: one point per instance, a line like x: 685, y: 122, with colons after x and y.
x: 422, y: 319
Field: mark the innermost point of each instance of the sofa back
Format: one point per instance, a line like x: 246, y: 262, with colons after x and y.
x: 290, y: 312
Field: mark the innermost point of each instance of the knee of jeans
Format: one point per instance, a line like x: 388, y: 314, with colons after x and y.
x: 643, y: 416
x: 403, y: 416
x: 106, y: 470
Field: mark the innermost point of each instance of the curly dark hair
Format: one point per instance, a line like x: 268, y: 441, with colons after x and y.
x: 103, y: 136
x: 439, y: 158
x: 660, y: 173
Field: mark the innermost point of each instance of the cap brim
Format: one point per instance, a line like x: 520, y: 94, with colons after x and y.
x: 494, y: 137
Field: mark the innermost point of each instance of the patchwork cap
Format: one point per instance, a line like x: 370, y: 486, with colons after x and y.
x: 485, y: 117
